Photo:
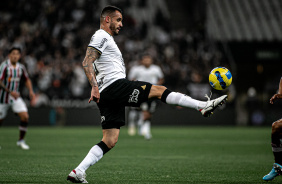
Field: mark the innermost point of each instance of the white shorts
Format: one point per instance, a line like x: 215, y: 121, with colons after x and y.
x: 17, y: 107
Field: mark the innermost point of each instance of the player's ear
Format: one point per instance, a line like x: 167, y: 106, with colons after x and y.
x: 107, y: 19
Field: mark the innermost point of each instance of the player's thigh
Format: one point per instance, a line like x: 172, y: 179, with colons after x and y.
x: 112, y: 115
x: 19, y: 106
x: 3, y: 110
x: 23, y: 116
x: 157, y: 91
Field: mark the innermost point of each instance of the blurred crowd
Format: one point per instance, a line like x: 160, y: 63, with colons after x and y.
x: 54, y: 35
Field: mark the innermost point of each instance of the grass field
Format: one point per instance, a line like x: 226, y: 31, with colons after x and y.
x: 174, y: 155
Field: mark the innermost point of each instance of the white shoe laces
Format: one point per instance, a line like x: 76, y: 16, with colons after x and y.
x: 208, y: 97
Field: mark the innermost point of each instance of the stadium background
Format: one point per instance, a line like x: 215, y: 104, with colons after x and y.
x: 186, y: 38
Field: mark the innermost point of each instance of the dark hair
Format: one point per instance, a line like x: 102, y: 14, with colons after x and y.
x: 15, y: 48
x: 145, y: 54
x: 109, y: 9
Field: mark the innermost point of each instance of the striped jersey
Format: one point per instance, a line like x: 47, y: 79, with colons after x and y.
x: 11, y: 76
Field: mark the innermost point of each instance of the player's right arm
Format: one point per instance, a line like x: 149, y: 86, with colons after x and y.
x: 91, y: 55
x: 279, y: 95
x: 12, y: 93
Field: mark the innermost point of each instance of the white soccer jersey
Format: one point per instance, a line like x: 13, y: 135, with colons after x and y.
x: 109, y: 67
x: 152, y: 74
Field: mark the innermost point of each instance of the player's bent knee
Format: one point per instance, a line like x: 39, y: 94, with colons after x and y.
x: 24, y: 116
x: 277, y: 126
x: 157, y: 91
x: 111, y: 143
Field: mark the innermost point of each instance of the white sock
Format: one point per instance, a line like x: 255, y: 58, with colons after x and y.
x: 147, y: 127
x: 140, y: 123
x: 180, y: 99
x: 93, y: 156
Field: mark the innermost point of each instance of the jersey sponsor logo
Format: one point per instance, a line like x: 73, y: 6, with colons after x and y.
x: 100, y: 82
x: 143, y: 87
x: 10, y: 79
x: 134, y: 96
x: 104, y: 40
x: 103, y: 119
x: 122, y: 61
x: 95, y: 69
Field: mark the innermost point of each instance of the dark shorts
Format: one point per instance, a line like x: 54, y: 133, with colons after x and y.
x: 115, y: 97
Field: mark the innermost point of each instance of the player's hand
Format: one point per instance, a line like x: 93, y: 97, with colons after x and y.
x: 275, y: 97
x: 31, y: 95
x: 95, y: 95
x: 15, y: 94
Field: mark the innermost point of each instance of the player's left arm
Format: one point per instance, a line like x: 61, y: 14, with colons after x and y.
x: 28, y: 84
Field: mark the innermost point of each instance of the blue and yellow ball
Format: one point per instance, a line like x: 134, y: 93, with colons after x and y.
x: 220, y: 78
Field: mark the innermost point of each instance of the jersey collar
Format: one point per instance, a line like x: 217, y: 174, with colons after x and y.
x: 10, y: 64
x: 107, y: 32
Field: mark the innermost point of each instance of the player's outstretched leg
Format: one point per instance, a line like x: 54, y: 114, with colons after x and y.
x: 206, y: 108
x: 275, y: 171
x: 212, y: 105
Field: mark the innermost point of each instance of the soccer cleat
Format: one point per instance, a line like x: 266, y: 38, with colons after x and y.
x: 212, y: 105
x: 77, y: 176
x: 275, y: 171
x: 22, y: 144
x: 148, y: 136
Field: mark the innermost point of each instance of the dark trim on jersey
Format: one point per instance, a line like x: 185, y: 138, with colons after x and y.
x: 95, y: 49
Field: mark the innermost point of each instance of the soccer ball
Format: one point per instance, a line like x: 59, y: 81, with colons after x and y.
x: 220, y: 78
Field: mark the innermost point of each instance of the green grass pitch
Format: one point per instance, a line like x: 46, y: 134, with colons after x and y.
x: 174, y: 155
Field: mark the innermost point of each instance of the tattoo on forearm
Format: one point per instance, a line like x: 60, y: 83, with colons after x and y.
x: 91, y: 56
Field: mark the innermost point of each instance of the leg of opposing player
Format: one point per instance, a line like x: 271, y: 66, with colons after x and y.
x: 179, y: 99
x: 276, y: 138
x: 109, y: 140
x: 23, y: 129
x: 132, y: 121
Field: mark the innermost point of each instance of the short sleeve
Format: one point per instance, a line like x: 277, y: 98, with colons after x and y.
x: 99, y: 41
x: 3, y: 68
x: 25, y: 74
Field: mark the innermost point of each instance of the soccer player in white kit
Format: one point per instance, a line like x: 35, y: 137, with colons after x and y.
x: 11, y: 73
x: 153, y: 74
x: 105, y: 70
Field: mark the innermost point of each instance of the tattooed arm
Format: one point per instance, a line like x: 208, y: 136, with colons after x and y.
x: 91, y: 56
